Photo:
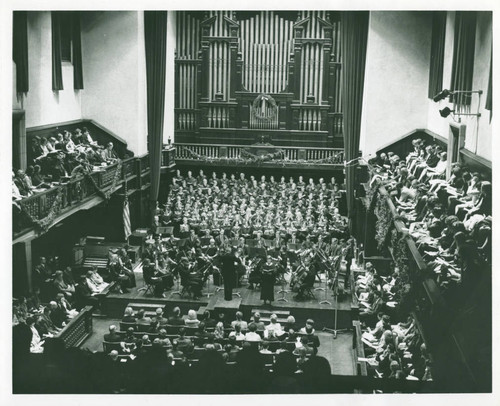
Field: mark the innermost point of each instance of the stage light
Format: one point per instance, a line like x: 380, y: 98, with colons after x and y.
x: 445, y: 112
x: 443, y: 94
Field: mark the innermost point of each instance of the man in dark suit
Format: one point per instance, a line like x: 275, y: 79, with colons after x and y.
x: 228, y: 270
x: 57, y: 315
x: 193, y: 240
x: 112, y: 336
x: 83, y: 295
x: 312, y: 338
x: 176, y: 318
x: 207, y: 319
x: 221, y: 240
x: 202, y: 332
x: 149, y: 273
x: 159, y: 321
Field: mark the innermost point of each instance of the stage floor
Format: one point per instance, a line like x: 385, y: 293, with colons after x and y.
x: 248, y: 300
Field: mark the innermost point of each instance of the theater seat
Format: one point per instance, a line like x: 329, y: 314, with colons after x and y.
x: 108, y: 347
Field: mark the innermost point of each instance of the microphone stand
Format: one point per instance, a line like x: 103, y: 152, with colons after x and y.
x: 283, y: 291
x: 325, y: 289
x: 178, y: 291
x: 335, y: 331
x: 208, y: 285
x: 236, y: 279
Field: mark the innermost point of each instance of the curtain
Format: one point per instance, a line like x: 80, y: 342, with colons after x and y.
x: 437, y: 53
x: 354, y: 26
x: 57, y: 81
x: 155, y: 33
x: 489, y: 97
x: 76, y: 37
x: 463, y: 57
x: 20, y: 50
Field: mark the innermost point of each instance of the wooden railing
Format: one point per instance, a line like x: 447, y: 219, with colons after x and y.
x: 79, y: 189
x: 358, y: 349
x: 78, y: 329
x: 321, y: 156
x: 433, y: 314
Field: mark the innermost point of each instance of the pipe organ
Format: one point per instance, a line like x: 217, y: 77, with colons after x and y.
x: 245, y: 72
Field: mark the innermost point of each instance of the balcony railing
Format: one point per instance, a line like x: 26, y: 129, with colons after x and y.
x: 227, y: 154
x: 429, y: 306
x: 77, y: 190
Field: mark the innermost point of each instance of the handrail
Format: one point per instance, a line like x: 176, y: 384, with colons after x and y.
x: 77, y: 329
x: 416, y: 264
x: 181, y: 144
x: 231, y: 154
x: 76, y: 190
x: 359, y: 351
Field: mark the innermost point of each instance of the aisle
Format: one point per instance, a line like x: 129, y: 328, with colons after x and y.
x: 338, y: 352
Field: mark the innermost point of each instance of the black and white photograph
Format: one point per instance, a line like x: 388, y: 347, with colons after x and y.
x: 225, y: 199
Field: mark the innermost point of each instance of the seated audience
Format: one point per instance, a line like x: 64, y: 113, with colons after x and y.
x: 192, y: 319
x: 112, y: 336
x: 176, y: 318
x: 128, y: 315
x: 239, y: 319
x: 237, y: 333
x: 252, y: 335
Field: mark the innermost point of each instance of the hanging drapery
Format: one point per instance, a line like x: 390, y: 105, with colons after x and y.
x: 77, y: 51
x: 155, y: 30
x: 463, y: 57
x: 437, y: 53
x: 354, y: 39
x: 488, y: 105
x: 20, y: 50
x: 57, y: 81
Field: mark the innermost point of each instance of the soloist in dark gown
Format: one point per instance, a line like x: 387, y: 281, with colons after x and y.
x: 267, y: 283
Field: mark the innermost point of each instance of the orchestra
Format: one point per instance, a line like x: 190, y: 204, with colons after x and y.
x: 272, y: 231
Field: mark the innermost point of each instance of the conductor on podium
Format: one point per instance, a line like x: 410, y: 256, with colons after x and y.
x: 228, y: 270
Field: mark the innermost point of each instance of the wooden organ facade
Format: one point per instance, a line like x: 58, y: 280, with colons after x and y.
x: 243, y: 75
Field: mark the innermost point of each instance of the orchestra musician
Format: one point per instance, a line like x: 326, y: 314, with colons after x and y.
x: 191, y: 279
x: 242, y: 209
x: 150, y: 275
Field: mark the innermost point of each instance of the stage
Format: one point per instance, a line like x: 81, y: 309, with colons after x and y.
x: 323, y: 314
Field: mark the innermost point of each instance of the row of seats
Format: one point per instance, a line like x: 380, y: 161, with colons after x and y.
x: 197, y: 341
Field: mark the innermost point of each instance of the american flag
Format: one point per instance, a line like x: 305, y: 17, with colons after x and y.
x: 126, y: 218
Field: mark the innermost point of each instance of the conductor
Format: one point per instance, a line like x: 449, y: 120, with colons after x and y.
x: 228, y: 271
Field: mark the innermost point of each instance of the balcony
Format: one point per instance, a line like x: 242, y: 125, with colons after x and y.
x: 36, y: 214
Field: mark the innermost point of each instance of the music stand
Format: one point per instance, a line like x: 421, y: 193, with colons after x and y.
x: 322, y: 289
x: 204, y: 241
x: 236, y: 274
x: 168, y: 230
x: 250, y: 242
x: 325, y: 300
x: 269, y: 244
x: 219, y: 288
x: 208, y: 289
x: 283, y: 291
